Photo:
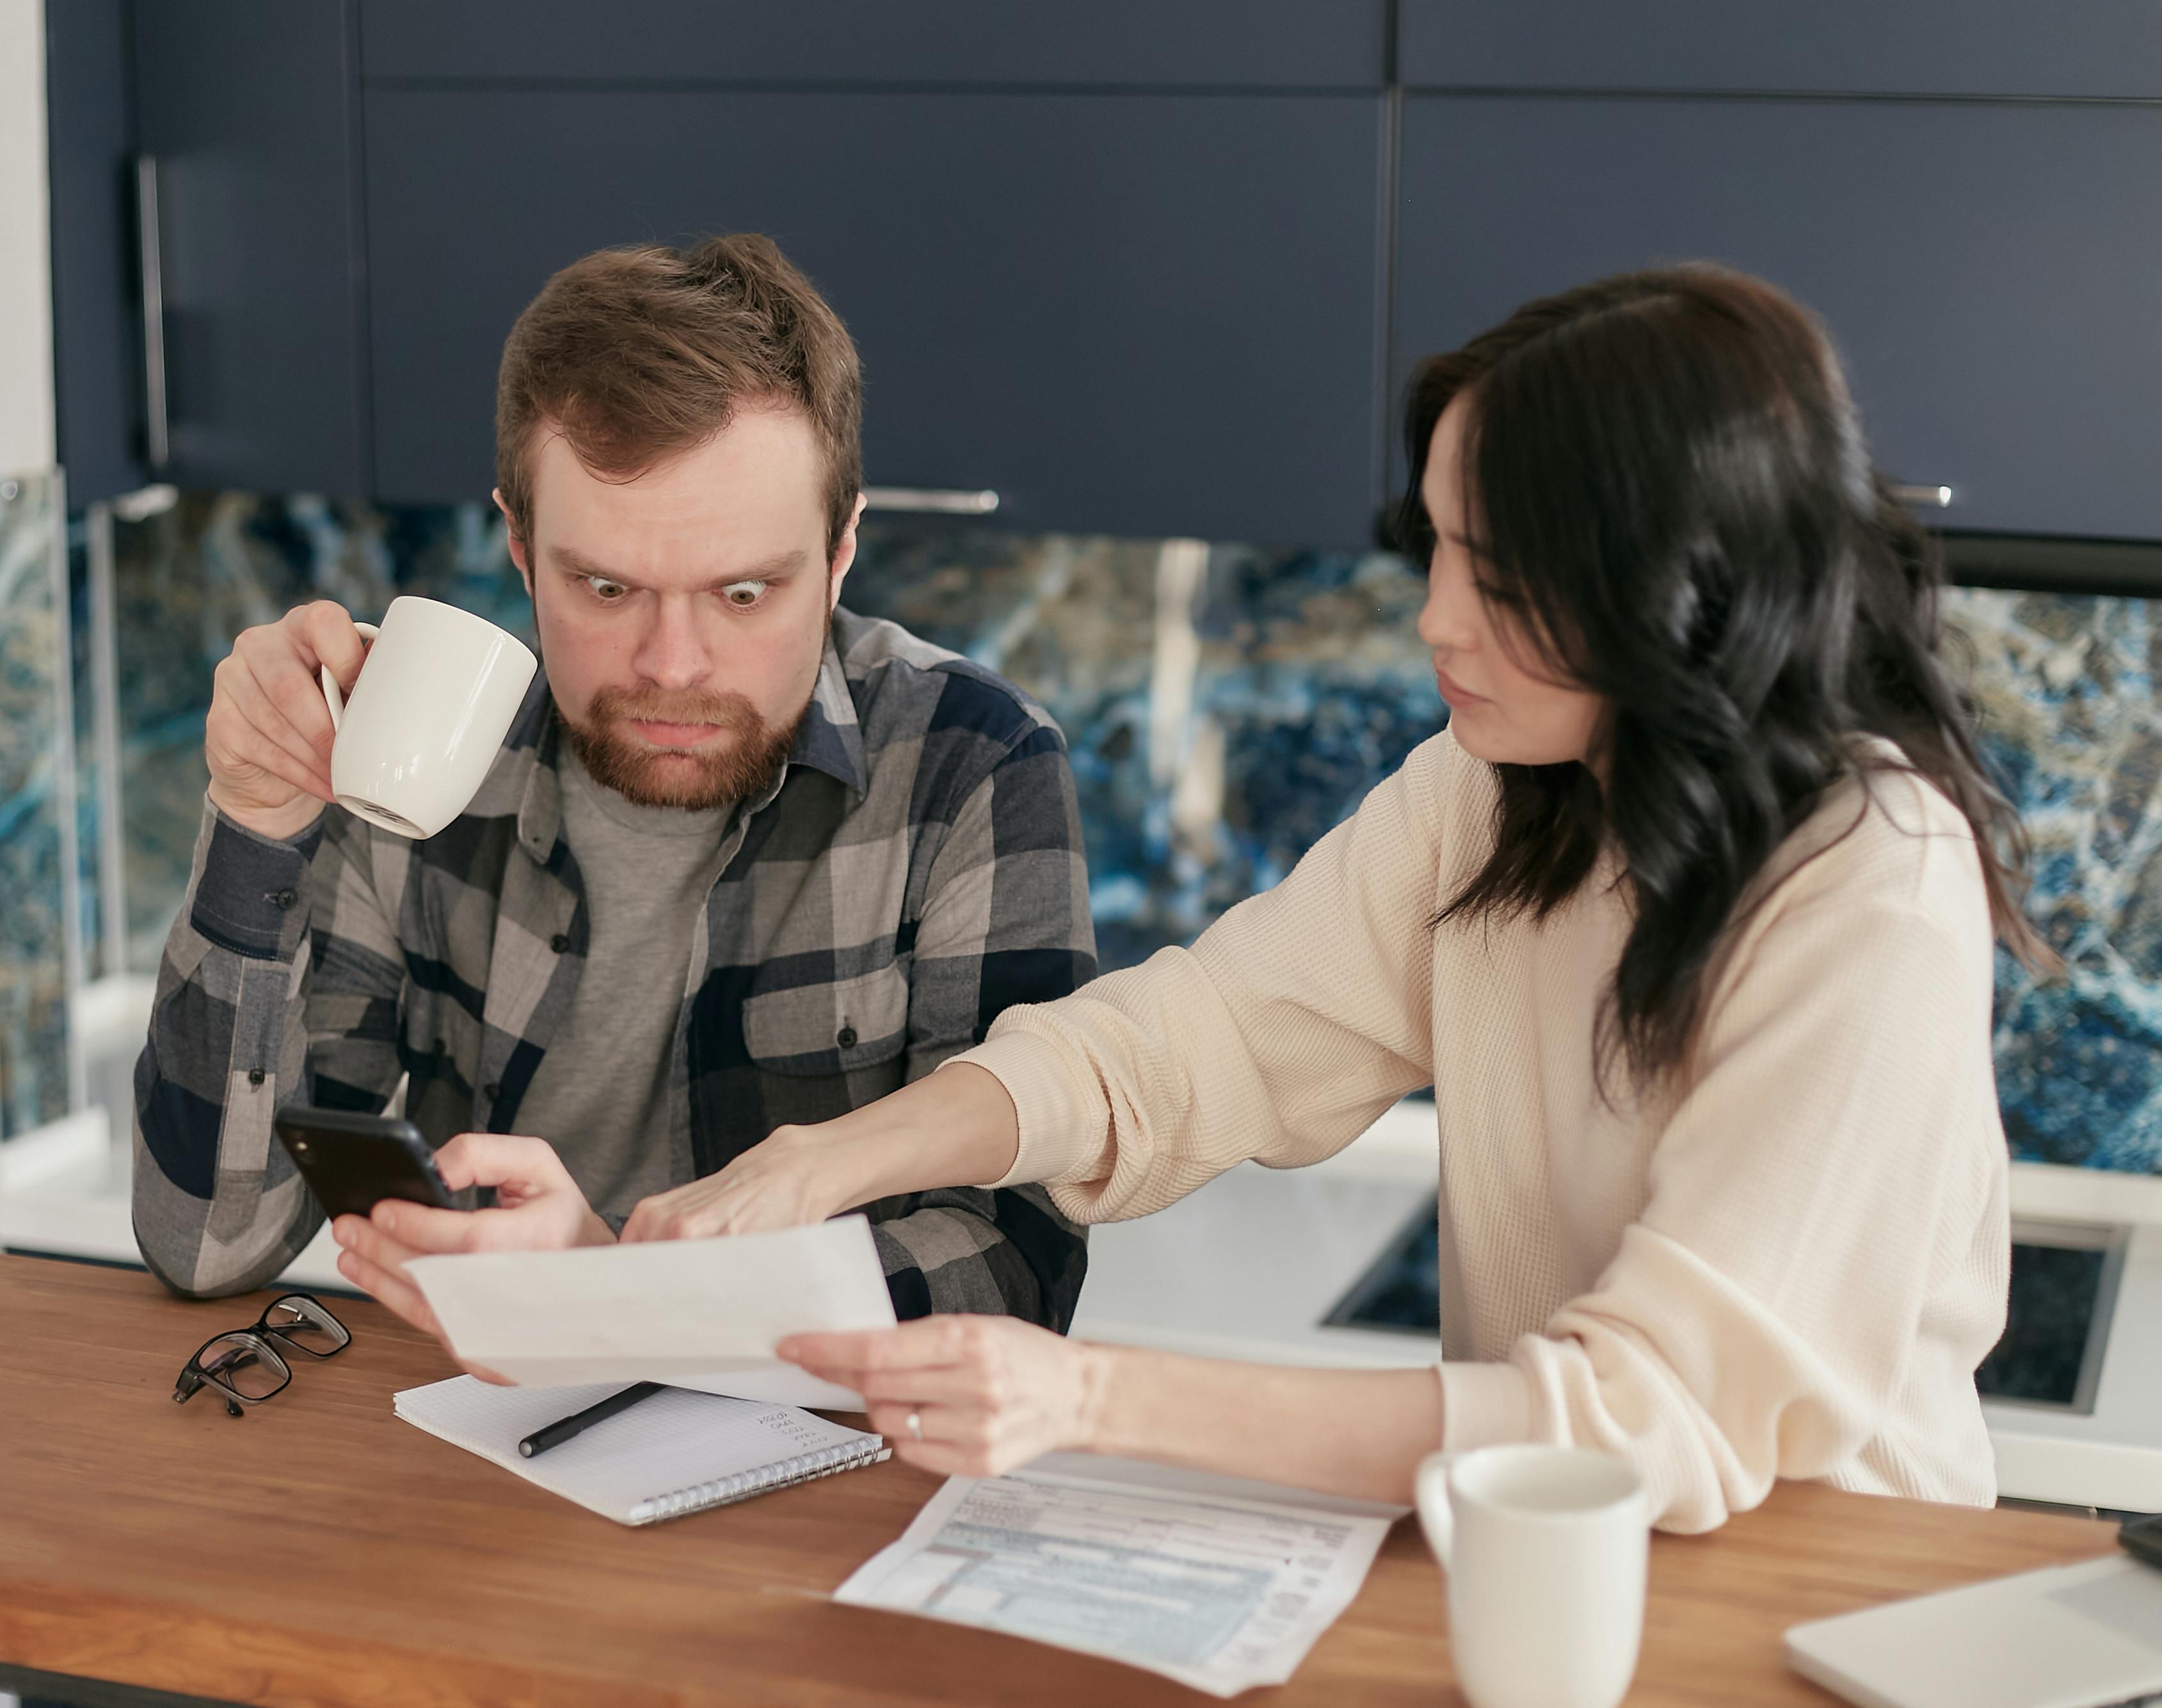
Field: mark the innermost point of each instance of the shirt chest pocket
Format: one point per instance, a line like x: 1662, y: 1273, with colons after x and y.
x: 825, y: 1029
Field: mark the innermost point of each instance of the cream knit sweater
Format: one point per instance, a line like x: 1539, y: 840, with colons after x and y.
x: 1788, y: 1265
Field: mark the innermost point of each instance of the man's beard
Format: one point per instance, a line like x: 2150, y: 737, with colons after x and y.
x: 740, y: 768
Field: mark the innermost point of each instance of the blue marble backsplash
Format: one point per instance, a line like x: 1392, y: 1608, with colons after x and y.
x: 33, y: 1065
x: 2067, y: 688
x: 1226, y: 706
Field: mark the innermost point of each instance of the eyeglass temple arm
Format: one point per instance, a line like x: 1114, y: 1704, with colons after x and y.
x: 327, y: 1314
x: 197, y: 1373
x: 288, y: 1333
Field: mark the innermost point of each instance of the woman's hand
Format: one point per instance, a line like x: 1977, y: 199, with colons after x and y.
x: 987, y: 1393
x: 954, y: 1127
x: 539, y: 1208
x: 794, y: 1178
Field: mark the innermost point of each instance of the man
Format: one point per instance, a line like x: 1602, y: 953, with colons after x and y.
x: 746, y: 861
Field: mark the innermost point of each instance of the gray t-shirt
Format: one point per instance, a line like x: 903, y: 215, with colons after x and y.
x: 601, y: 1092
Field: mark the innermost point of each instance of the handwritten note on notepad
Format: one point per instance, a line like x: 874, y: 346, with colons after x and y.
x: 701, y: 1314
x: 673, y: 1454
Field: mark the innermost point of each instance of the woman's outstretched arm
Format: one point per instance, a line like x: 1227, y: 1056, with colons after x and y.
x: 956, y: 1127
x: 1294, y: 1022
x: 988, y: 1394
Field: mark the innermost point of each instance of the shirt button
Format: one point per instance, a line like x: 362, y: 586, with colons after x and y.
x: 254, y: 1076
x: 490, y: 1091
x: 559, y: 943
x: 846, y: 1037
x: 286, y: 898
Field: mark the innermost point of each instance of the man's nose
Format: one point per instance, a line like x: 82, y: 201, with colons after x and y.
x: 672, y: 653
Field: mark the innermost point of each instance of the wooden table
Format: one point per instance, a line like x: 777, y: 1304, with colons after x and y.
x: 319, y: 1551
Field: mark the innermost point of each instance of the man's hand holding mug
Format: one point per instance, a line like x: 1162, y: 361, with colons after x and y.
x: 268, y: 737
x: 405, y: 743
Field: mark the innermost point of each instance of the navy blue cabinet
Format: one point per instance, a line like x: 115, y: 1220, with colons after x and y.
x: 1147, y: 266
x: 96, y: 320
x: 1131, y: 313
x: 1991, y: 270
x: 1284, y: 44
x: 1986, y: 48
x: 247, y: 109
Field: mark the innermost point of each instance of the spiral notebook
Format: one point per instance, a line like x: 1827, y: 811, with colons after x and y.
x: 680, y: 1451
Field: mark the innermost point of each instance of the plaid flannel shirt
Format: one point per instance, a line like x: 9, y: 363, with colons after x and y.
x: 918, y: 868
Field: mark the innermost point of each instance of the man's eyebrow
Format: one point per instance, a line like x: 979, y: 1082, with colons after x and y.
x: 574, y: 562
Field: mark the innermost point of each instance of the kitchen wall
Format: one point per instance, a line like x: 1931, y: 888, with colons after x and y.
x: 34, y: 780
x: 2067, y: 687
x: 34, y: 1075
x: 26, y: 318
x: 1225, y: 707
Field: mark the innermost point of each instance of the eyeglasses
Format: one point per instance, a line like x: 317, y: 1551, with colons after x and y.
x: 244, y: 1365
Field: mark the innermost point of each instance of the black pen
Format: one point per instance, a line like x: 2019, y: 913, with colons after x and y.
x: 562, y: 1429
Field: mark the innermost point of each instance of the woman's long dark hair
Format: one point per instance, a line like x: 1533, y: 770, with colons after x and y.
x: 1667, y: 488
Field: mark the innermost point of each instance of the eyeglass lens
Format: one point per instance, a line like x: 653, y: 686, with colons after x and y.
x: 301, y: 1322
x: 241, y: 1363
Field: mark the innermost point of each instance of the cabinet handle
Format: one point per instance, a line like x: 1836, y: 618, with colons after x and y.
x: 1927, y: 497
x: 933, y: 499
x: 157, y: 436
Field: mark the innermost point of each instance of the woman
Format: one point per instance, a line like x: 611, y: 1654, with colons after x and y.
x: 1687, y: 916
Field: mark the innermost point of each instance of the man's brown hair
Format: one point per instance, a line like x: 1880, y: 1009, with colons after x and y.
x: 638, y: 354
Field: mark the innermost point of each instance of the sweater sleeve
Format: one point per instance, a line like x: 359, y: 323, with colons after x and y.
x: 1784, y: 1295
x: 1281, y: 1036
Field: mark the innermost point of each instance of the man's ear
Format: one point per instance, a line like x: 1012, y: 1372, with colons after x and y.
x: 518, y: 554
x: 844, y: 556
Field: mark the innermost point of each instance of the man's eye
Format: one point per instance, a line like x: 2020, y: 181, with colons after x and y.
x: 744, y: 594
x: 608, y: 593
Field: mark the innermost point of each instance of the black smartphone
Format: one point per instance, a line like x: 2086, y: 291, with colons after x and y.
x: 2142, y: 1539
x: 351, y: 1161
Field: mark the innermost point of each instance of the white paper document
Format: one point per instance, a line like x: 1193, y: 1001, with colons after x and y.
x: 1214, y: 1590
x: 696, y: 1314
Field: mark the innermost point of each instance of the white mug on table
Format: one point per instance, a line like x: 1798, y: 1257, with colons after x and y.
x: 427, y: 714
x: 1545, y: 1548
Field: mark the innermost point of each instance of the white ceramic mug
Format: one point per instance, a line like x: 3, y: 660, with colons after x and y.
x: 1545, y: 1548
x: 427, y: 715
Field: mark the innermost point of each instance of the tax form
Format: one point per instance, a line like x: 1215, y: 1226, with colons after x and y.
x: 1222, y: 1585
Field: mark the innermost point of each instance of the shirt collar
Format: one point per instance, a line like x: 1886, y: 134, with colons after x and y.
x: 533, y: 737
x: 829, y: 740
